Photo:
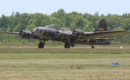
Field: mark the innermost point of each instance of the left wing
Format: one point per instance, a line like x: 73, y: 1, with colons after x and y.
x: 24, y: 34
x: 15, y: 33
x: 100, y: 34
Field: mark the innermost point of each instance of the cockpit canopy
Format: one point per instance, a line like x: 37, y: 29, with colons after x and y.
x: 54, y: 26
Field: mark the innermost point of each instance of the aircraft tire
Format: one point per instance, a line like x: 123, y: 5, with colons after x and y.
x: 41, y: 45
x: 67, y: 45
x: 92, y: 46
x: 72, y: 44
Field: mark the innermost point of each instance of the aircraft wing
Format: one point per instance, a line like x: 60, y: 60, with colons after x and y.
x: 110, y: 39
x: 100, y: 34
x: 14, y: 33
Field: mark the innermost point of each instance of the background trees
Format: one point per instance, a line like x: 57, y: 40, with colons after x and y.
x: 87, y: 22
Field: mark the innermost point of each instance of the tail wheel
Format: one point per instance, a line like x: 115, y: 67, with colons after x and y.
x: 92, y: 46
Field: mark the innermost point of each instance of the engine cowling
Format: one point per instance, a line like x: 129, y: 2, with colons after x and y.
x: 25, y: 34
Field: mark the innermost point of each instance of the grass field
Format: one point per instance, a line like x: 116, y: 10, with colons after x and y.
x: 64, y: 64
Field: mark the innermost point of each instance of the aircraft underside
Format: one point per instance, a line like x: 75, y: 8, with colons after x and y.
x: 68, y: 44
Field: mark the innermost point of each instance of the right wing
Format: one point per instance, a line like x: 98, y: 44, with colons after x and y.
x: 110, y: 39
x: 100, y: 34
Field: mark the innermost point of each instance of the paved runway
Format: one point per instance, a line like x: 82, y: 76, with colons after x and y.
x: 66, y: 50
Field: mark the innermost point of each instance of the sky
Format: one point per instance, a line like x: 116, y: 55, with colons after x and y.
x: 49, y: 6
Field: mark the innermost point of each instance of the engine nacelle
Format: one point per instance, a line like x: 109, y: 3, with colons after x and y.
x: 25, y: 34
x: 100, y: 42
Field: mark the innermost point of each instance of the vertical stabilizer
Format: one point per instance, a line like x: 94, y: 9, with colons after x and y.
x: 102, y: 25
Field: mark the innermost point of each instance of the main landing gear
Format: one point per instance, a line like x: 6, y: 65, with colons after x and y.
x: 67, y: 45
x: 41, y: 44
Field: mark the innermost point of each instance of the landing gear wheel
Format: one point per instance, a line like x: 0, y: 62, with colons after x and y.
x: 41, y: 44
x: 72, y: 44
x: 92, y: 46
x: 67, y: 45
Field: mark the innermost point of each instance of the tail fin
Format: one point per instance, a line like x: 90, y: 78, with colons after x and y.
x: 102, y: 25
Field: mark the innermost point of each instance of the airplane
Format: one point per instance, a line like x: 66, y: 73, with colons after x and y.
x: 70, y: 37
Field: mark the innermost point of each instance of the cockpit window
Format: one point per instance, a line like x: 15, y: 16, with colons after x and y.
x: 36, y: 30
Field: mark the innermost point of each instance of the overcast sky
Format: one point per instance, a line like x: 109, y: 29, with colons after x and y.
x: 50, y: 6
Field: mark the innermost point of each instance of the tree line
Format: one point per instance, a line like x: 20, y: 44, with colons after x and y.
x: 84, y: 21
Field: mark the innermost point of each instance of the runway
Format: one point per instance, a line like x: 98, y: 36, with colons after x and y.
x: 65, y: 50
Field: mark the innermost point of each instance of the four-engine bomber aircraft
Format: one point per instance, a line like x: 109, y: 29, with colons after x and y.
x: 70, y: 38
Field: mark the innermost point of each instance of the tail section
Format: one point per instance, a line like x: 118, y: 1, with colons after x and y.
x: 102, y: 26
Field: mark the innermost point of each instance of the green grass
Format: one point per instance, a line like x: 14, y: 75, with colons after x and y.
x: 40, y: 64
